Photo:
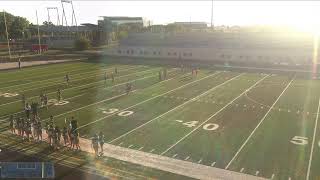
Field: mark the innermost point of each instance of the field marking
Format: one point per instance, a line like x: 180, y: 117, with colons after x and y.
x: 241, y: 170
x: 186, y: 158
x: 76, y: 87
x: 98, y: 102
x: 177, y: 107
x: 151, y: 150
x: 175, y: 155
x: 110, y: 97
x: 62, y: 161
x: 212, y: 164
x: 272, y: 176
x: 61, y: 77
x: 63, y: 82
x: 199, y: 161
x: 179, y: 120
x: 224, y: 107
x: 5, y: 119
x: 180, y: 87
x: 263, y: 118
x: 257, y: 172
x: 41, y: 73
x: 130, y: 146
x: 140, y: 148
x: 313, y: 142
x: 120, y: 144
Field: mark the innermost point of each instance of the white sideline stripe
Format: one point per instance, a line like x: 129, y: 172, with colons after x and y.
x: 313, y: 141
x: 241, y: 170
x: 177, y: 107
x: 263, y: 118
x: 110, y: 97
x: 100, y: 119
x: 76, y: 87
x: 5, y: 119
x: 59, y: 78
x: 184, y: 137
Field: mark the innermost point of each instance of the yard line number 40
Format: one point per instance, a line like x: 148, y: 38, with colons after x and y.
x: 208, y: 126
x: 114, y: 110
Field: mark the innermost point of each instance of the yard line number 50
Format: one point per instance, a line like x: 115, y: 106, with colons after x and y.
x: 301, y: 140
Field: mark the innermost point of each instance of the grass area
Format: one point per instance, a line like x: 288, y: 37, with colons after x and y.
x: 259, y: 124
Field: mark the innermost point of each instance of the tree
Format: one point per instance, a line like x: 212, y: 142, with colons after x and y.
x: 16, y: 26
x: 46, y: 23
x: 82, y: 44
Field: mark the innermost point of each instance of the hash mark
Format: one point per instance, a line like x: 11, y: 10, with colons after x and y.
x: 187, y: 158
x: 130, y: 146
x: 174, y: 155
x: 140, y: 148
x: 272, y: 176
x: 179, y: 120
x: 241, y: 170
x: 213, y: 164
x: 120, y: 143
x: 199, y: 161
x: 257, y: 172
x: 152, y: 150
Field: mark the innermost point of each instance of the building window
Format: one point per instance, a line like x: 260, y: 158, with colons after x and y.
x: 174, y: 53
x: 141, y: 52
x: 131, y: 51
x: 26, y: 166
x: 145, y: 52
x: 119, y: 51
x: 154, y: 53
x: 169, y: 53
x: 159, y: 53
x: 128, y: 51
x: 190, y: 54
x: 184, y: 54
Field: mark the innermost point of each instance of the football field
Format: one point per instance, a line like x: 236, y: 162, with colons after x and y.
x: 266, y: 125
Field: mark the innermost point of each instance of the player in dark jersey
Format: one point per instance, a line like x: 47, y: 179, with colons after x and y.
x: 23, y: 100
x: 116, y: 70
x: 11, y: 124
x: 59, y: 96
x: 27, y: 110
x: 65, y: 135
x: 101, y: 142
x: 112, y: 77
x: 128, y: 88
x: 67, y: 79
x: 39, y: 131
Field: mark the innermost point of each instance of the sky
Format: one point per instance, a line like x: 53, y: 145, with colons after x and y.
x: 301, y: 14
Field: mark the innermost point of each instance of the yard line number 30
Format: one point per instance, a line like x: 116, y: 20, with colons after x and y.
x: 114, y: 110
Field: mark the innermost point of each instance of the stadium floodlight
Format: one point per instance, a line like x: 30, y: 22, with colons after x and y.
x: 5, y: 24
x: 57, y: 12
x: 64, y: 14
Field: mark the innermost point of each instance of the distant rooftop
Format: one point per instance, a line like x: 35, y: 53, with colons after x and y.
x: 117, y: 18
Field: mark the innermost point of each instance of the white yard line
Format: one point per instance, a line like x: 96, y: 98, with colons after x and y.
x: 313, y: 142
x: 76, y: 87
x: 98, y: 102
x: 55, y: 79
x: 213, y: 115
x: 63, y: 82
x: 177, y: 107
x: 2, y: 120
x: 180, y: 87
x: 254, y: 130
